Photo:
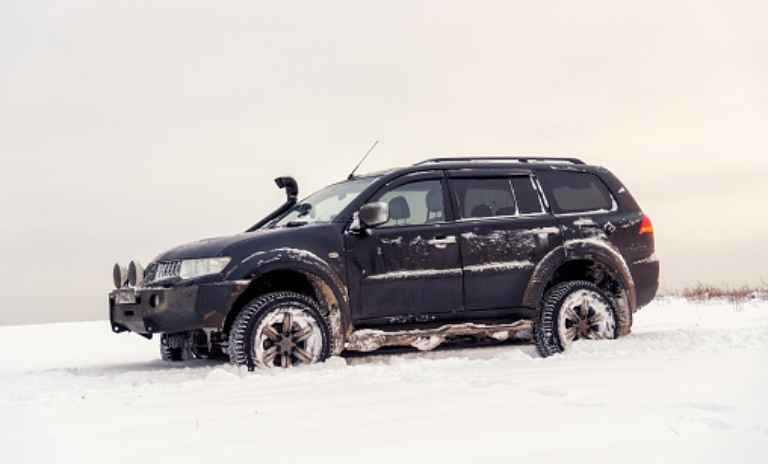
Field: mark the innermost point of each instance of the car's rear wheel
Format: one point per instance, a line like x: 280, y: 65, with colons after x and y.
x: 282, y: 329
x: 572, y: 311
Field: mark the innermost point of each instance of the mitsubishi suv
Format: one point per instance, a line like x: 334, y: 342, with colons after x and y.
x: 548, y: 250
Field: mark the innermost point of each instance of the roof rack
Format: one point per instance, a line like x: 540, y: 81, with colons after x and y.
x: 518, y: 159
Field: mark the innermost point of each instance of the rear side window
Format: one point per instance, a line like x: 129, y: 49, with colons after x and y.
x: 479, y: 198
x: 571, y: 192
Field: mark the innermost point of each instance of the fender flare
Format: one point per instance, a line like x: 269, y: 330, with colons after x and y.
x: 330, y: 290
x: 592, y: 249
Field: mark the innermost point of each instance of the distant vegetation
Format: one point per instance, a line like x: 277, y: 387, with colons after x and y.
x: 702, y: 292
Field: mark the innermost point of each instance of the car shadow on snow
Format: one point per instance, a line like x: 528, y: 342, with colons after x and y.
x: 122, y: 368
x: 484, y: 350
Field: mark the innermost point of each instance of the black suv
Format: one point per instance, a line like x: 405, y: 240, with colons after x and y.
x: 495, y: 248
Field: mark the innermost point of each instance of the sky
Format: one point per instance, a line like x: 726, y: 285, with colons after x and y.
x: 127, y: 128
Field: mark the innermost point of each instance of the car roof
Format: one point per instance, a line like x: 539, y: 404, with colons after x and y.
x: 482, y: 162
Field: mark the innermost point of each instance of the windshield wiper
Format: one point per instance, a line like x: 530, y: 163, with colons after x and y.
x: 296, y: 223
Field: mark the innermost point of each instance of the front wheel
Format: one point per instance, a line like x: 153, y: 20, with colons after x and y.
x: 282, y: 329
x: 572, y: 311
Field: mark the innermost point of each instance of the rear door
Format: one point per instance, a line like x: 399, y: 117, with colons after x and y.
x: 504, y: 230
x: 409, y: 267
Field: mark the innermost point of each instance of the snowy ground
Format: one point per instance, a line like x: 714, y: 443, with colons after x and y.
x: 689, y: 385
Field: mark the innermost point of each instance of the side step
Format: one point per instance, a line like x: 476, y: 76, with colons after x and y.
x: 429, y: 339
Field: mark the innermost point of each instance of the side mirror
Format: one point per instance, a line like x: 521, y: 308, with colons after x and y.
x: 373, y: 214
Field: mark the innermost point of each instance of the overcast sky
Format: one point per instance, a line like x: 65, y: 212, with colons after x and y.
x: 130, y: 127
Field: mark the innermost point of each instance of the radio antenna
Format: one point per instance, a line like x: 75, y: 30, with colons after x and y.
x: 352, y: 174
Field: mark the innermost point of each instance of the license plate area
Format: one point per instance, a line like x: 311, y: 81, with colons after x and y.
x: 126, y: 296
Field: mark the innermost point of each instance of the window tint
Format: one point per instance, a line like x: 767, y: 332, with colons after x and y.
x: 527, y: 197
x: 575, y: 191
x: 416, y: 203
x: 478, y: 198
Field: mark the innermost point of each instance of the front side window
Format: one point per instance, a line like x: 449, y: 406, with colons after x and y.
x: 571, y: 192
x: 324, y: 205
x: 479, y: 198
x: 416, y: 203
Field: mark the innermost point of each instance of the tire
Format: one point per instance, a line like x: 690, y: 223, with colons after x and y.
x: 176, y: 347
x: 281, y: 329
x: 571, y: 311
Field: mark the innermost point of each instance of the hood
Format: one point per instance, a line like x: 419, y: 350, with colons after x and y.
x: 240, y: 245
x: 211, y: 247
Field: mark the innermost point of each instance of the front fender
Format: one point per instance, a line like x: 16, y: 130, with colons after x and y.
x: 326, y: 280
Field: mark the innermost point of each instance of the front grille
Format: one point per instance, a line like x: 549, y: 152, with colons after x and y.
x: 162, y: 271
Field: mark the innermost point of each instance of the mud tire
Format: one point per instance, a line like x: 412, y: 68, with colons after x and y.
x: 176, y: 347
x: 240, y: 347
x: 547, y: 333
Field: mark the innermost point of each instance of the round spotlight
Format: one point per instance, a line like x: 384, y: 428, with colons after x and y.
x: 119, y: 275
x: 135, y: 274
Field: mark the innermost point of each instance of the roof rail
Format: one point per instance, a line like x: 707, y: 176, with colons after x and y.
x: 518, y: 159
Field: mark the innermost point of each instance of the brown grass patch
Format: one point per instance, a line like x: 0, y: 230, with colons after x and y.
x: 703, y: 292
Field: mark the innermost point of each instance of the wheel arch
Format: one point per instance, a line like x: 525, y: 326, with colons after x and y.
x: 301, y: 272
x: 592, y: 260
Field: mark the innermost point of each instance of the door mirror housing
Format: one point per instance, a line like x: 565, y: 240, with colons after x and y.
x: 373, y: 214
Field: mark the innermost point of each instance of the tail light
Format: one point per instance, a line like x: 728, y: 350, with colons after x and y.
x: 646, y: 227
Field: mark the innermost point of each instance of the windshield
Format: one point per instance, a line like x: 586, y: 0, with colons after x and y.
x: 325, y: 205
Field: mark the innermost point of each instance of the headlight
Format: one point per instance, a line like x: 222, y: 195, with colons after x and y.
x: 191, y: 268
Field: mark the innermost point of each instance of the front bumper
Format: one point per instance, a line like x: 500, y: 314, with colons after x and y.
x: 178, y: 309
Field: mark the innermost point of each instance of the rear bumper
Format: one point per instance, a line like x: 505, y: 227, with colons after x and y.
x: 160, y: 310
x: 646, y: 276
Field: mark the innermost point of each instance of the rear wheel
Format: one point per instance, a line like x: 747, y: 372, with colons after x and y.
x: 572, y: 311
x: 282, y: 329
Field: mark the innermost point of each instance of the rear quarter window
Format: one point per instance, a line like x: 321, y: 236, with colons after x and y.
x: 572, y: 192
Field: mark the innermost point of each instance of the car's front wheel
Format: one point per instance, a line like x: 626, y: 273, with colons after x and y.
x: 281, y: 329
x: 571, y: 311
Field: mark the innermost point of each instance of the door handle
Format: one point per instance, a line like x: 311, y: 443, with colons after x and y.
x: 442, y: 242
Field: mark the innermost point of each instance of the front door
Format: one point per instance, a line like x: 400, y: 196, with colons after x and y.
x: 409, y: 267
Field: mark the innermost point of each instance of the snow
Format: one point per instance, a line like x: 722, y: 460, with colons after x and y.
x: 294, y: 252
x: 584, y: 221
x: 651, y: 259
x: 690, y: 384
x: 415, y: 274
x: 499, y: 266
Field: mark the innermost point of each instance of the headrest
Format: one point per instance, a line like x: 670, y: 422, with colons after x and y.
x: 398, y: 208
x: 435, y: 200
